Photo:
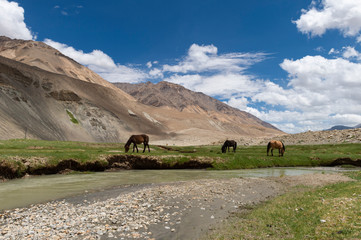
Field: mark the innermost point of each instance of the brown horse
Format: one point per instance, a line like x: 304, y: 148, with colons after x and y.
x: 278, y: 145
x: 227, y: 144
x: 137, y: 139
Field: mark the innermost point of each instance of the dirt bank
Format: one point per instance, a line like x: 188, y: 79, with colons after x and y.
x: 38, y: 166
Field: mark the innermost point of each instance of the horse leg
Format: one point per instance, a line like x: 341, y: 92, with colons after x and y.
x: 145, y: 146
x: 135, y: 147
x: 148, y: 147
x: 272, y: 152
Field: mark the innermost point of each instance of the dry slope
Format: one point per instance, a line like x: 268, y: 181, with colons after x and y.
x: 50, y: 96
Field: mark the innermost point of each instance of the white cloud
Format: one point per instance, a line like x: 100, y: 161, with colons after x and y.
x: 222, y: 85
x: 101, y: 63
x: 317, y: 74
x: 342, y: 15
x: 12, y: 21
x: 240, y: 103
x: 206, y: 59
x: 318, y: 88
x: 351, y: 52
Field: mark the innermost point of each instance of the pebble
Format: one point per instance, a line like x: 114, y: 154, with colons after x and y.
x: 127, y: 216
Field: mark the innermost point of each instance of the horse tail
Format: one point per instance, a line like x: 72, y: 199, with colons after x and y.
x: 283, y: 146
x: 235, y: 146
x: 268, y: 147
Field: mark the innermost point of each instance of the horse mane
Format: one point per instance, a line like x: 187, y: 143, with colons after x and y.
x: 129, y: 141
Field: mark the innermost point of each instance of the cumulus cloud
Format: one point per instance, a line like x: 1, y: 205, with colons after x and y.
x: 101, y: 63
x: 206, y: 59
x: 351, y: 53
x: 318, y: 90
x: 240, y: 103
x: 221, y: 85
x: 342, y: 15
x: 12, y: 21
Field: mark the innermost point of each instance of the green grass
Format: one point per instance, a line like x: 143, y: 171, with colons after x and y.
x: 13, y: 152
x: 72, y: 118
x: 331, y: 212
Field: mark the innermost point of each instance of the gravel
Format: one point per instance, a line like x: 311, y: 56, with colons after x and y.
x: 182, y: 210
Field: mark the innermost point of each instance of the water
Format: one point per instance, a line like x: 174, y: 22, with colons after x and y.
x: 37, y: 189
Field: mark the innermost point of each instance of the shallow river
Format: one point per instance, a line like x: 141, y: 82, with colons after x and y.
x: 37, y: 189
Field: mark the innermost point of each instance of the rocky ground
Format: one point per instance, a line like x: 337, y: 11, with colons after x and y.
x: 182, y: 210
x: 305, y: 138
x: 309, y: 138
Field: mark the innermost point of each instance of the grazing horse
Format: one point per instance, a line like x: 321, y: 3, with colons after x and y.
x: 227, y: 144
x: 276, y: 144
x: 137, y: 139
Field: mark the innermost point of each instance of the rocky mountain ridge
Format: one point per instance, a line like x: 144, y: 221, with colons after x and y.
x: 47, y: 95
x: 170, y: 95
x: 342, y: 127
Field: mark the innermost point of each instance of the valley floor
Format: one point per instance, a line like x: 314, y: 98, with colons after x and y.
x: 182, y: 210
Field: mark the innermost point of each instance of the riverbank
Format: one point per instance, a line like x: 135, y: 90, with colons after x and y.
x: 182, y: 210
x: 34, y: 157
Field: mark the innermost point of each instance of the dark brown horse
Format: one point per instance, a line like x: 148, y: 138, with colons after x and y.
x: 137, y: 139
x: 227, y: 144
x: 278, y: 145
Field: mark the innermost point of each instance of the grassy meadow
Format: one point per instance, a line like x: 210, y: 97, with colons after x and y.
x: 37, y: 153
x: 330, y: 212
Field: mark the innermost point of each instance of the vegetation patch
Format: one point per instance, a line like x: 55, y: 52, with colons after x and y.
x: 22, y: 156
x: 72, y: 118
x: 331, y: 212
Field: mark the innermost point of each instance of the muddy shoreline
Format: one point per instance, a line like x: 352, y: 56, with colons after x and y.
x: 118, y: 162
x: 115, y: 162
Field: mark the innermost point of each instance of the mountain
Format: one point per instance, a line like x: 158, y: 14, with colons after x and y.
x: 46, y: 95
x: 341, y: 127
x: 39, y: 54
x: 169, y: 95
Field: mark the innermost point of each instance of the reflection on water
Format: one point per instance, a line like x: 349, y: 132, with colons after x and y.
x: 36, y: 189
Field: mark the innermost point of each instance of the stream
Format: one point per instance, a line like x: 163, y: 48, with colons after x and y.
x: 37, y: 189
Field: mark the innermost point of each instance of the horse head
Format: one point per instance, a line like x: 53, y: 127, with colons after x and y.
x: 224, y: 148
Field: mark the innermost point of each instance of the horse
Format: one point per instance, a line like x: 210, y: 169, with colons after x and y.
x: 227, y: 144
x: 137, y: 139
x: 278, y: 145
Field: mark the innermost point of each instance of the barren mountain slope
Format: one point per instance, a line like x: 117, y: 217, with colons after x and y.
x: 39, y: 54
x: 39, y: 94
x: 42, y: 104
x: 170, y: 95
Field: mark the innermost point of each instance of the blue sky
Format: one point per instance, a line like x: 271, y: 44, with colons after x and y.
x: 295, y: 64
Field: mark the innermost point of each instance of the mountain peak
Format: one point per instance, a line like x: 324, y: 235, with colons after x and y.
x: 171, y: 95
